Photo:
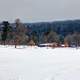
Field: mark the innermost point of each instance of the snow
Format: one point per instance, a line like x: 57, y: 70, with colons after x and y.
x: 33, y: 63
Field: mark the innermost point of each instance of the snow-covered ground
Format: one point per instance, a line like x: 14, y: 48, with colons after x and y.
x: 33, y: 63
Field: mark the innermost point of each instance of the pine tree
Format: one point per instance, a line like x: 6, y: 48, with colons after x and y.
x: 5, y: 30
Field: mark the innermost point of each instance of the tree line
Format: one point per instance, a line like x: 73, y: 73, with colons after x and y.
x: 60, y: 32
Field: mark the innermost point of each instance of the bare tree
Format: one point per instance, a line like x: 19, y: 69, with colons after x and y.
x: 73, y: 39
x: 20, y: 34
x: 53, y: 37
x: 68, y: 40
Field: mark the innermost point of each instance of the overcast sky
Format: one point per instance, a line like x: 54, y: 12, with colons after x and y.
x: 39, y: 10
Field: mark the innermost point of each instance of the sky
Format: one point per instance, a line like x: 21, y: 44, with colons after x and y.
x: 39, y: 10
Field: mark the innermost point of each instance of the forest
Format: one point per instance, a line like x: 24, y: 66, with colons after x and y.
x: 60, y: 32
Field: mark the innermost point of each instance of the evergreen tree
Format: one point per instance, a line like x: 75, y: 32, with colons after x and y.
x: 5, y: 30
x: 34, y: 37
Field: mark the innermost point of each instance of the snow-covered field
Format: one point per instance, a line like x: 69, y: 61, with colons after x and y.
x: 33, y: 63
